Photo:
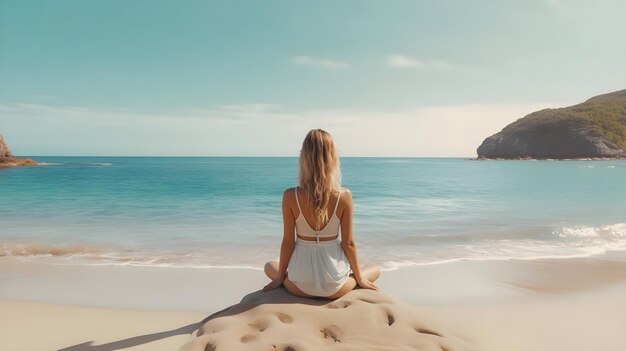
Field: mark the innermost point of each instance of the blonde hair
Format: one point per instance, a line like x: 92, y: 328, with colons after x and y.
x: 319, y: 171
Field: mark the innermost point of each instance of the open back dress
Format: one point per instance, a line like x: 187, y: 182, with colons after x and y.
x: 318, y: 268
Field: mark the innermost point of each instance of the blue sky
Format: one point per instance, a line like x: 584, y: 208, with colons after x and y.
x: 386, y: 78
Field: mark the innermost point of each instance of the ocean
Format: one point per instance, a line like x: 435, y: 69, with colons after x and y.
x: 226, y: 211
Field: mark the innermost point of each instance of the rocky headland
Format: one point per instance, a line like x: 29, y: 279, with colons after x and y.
x: 7, y: 159
x: 594, y: 129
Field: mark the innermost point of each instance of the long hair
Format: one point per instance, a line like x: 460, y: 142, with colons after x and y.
x: 319, y: 171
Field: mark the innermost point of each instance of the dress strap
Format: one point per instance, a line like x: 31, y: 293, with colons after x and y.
x: 337, y: 204
x: 298, y: 202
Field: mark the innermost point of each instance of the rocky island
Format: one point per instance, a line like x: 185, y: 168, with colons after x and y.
x: 8, y: 160
x: 593, y: 129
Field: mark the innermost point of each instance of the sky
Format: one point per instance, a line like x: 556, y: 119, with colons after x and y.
x: 250, y: 78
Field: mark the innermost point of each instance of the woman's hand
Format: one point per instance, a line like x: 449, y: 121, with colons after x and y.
x: 366, y: 284
x: 274, y: 284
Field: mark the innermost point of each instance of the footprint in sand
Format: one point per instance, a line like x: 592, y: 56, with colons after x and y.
x: 427, y: 331
x: 331, y: 333
x: 284, y: 318
x: 259, y: 325
x: 247, y: 338
x: 390, y: 319
x: 339, y: 304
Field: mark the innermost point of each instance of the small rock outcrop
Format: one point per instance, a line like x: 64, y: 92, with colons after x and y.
x: 8, y: 160
x: 595, y: 128
x: 4, y: 149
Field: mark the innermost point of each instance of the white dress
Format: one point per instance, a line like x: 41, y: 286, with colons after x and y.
x: 318, y: 268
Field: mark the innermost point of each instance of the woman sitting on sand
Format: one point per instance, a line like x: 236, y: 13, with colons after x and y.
x: 314, y: 263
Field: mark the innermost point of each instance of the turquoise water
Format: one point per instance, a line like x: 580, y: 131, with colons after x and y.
x: 220, y: 211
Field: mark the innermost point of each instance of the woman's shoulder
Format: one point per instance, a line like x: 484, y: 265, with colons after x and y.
x: 345, y: 196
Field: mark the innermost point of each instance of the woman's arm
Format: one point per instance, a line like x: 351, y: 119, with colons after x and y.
x: 349, y: 245
x: 288, y: 244
x: 347, y: 239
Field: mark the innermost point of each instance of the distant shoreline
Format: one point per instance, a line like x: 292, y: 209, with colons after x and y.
x: 470, y: 158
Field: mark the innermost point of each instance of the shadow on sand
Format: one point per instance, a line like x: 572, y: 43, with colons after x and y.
x: 277, y: 296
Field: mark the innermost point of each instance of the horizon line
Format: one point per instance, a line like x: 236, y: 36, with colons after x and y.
x: 239, y: 156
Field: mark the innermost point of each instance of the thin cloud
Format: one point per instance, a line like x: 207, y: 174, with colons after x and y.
x: 232, y: 112
x: 404, y: 61
x: 257, y: 129
x: 239, y: 111
x: 318, y: 62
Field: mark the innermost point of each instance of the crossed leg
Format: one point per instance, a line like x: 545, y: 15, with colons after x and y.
x: 370, y: 272
x: 271, y: 271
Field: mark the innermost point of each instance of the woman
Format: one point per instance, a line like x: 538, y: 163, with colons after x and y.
x: 315, y: 263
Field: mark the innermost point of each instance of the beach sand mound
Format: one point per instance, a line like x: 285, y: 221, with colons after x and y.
x: 360, y: 320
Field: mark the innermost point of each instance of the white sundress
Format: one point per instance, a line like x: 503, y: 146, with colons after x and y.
x: 318, y: 268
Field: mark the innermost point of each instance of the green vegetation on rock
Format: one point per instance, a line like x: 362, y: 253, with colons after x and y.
x: 594, y: 128
x: 607, y: 113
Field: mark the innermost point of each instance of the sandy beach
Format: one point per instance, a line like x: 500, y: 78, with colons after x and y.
x: 156, y: 155
x: 551, y: 304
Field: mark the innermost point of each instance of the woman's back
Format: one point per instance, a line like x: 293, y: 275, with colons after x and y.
x: 313, y: 261
x: 316, y: 230
x: 318, y: 266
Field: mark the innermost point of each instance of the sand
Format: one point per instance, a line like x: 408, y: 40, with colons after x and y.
x: 565, y: 304
x: 26, y: 326
x: 360, y: 320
